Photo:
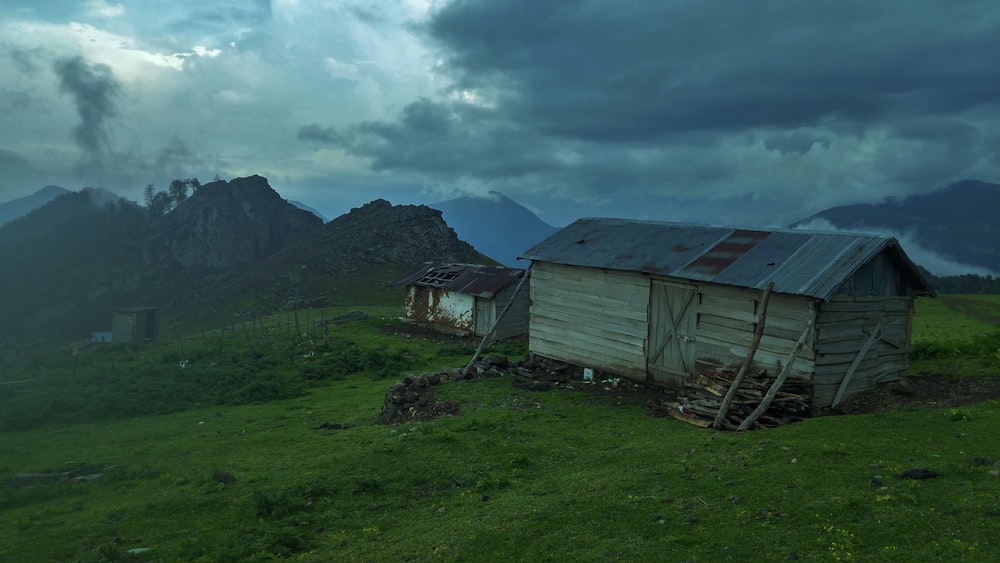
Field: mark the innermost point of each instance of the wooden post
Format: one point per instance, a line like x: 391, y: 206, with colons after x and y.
x: 785, y: 370
x: 180, y: 343
x: 246, y: 333
x: 222, y: 332
x: 326, y: 328
x: 720, y: 417
x: 506, y: 308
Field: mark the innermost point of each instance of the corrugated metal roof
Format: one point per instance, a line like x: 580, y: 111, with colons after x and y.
x: 470, y: 279
x: 808, y: 263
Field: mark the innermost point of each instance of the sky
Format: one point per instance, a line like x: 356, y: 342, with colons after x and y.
x: 718, y: 111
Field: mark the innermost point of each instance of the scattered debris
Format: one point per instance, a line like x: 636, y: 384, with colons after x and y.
x: 534, y: 385
x: 334, y: 426
x: 413, y: 398
x: 699, y: 401
x: 916, y: 474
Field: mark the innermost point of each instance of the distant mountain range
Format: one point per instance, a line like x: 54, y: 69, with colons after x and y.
x: 231, y: 247
x: 15, y: 208
x: 960, y: 222
x: 495, y: 225
x: 238, y: 247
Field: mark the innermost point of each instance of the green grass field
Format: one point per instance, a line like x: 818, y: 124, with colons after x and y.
x: 957, y: 335
x: 560, y: 475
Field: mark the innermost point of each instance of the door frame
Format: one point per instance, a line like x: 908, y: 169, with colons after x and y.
x: 672, y: 346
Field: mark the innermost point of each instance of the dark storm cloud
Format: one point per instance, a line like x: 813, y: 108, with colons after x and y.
x: 95, y: 90
x: 433, y: 137
x: 599, y: 95
x: 939, y: 149
x: 621, y: 71
x: 794, y: 142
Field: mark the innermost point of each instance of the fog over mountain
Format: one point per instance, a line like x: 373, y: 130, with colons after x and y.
x: 950, y: 231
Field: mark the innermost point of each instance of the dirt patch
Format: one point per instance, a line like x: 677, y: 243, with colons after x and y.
x: 438, y: 338
x: 932, y: 392
x: 625, y: 393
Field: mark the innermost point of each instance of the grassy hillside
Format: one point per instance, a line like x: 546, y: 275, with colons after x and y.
x: 564, y: 475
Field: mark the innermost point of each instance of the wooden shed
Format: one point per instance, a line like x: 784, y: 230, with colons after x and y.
x: 466, y: 298
x: 134, y: 324
x: 657, y: 302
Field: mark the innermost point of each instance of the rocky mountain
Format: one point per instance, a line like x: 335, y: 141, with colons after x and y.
x: 226, y: 224
x: 10, y: 210
x: 496, y: 225
x: 231, y: 247
x: 352, y: 258
x: 960, y: 221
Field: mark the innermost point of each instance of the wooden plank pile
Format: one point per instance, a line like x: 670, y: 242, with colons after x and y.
x: 698, y: 401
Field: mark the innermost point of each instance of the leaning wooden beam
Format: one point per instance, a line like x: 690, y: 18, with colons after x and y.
x: 499, y: 318
x: 876, y: 332
x: 765, y: 403
x: 757, y: 333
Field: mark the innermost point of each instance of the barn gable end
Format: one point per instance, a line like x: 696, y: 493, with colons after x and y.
x: 661, y: 302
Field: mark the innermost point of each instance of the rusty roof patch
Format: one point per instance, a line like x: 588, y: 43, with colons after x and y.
x: 723, y: 254
x: 470, y: 279
x: 799, y: 262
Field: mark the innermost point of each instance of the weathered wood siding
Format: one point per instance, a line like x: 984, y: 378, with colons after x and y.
x: 515, y: 322
x: 882, y: 277
x: 590, y: 317
x: 843, y: 327
x: 600, y: 319
x: 727, y: 318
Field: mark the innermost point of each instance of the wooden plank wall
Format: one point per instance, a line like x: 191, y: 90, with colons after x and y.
x: 515, y: 322
x: 843, y: 326
x: 727, y: 317
x: 589, y: 317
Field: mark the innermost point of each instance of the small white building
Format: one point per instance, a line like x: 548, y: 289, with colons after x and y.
x: 466, y: 299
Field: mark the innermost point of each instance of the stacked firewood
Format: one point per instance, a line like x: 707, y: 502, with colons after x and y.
x: 698, y: 401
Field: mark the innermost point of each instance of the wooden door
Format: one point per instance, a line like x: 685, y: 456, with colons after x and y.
x: 485, y: 314
x: 672, y: 321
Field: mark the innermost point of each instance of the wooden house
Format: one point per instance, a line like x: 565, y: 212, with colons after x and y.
x: 134, y: 324
x: 466, y: 299
x: 658, y: 302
